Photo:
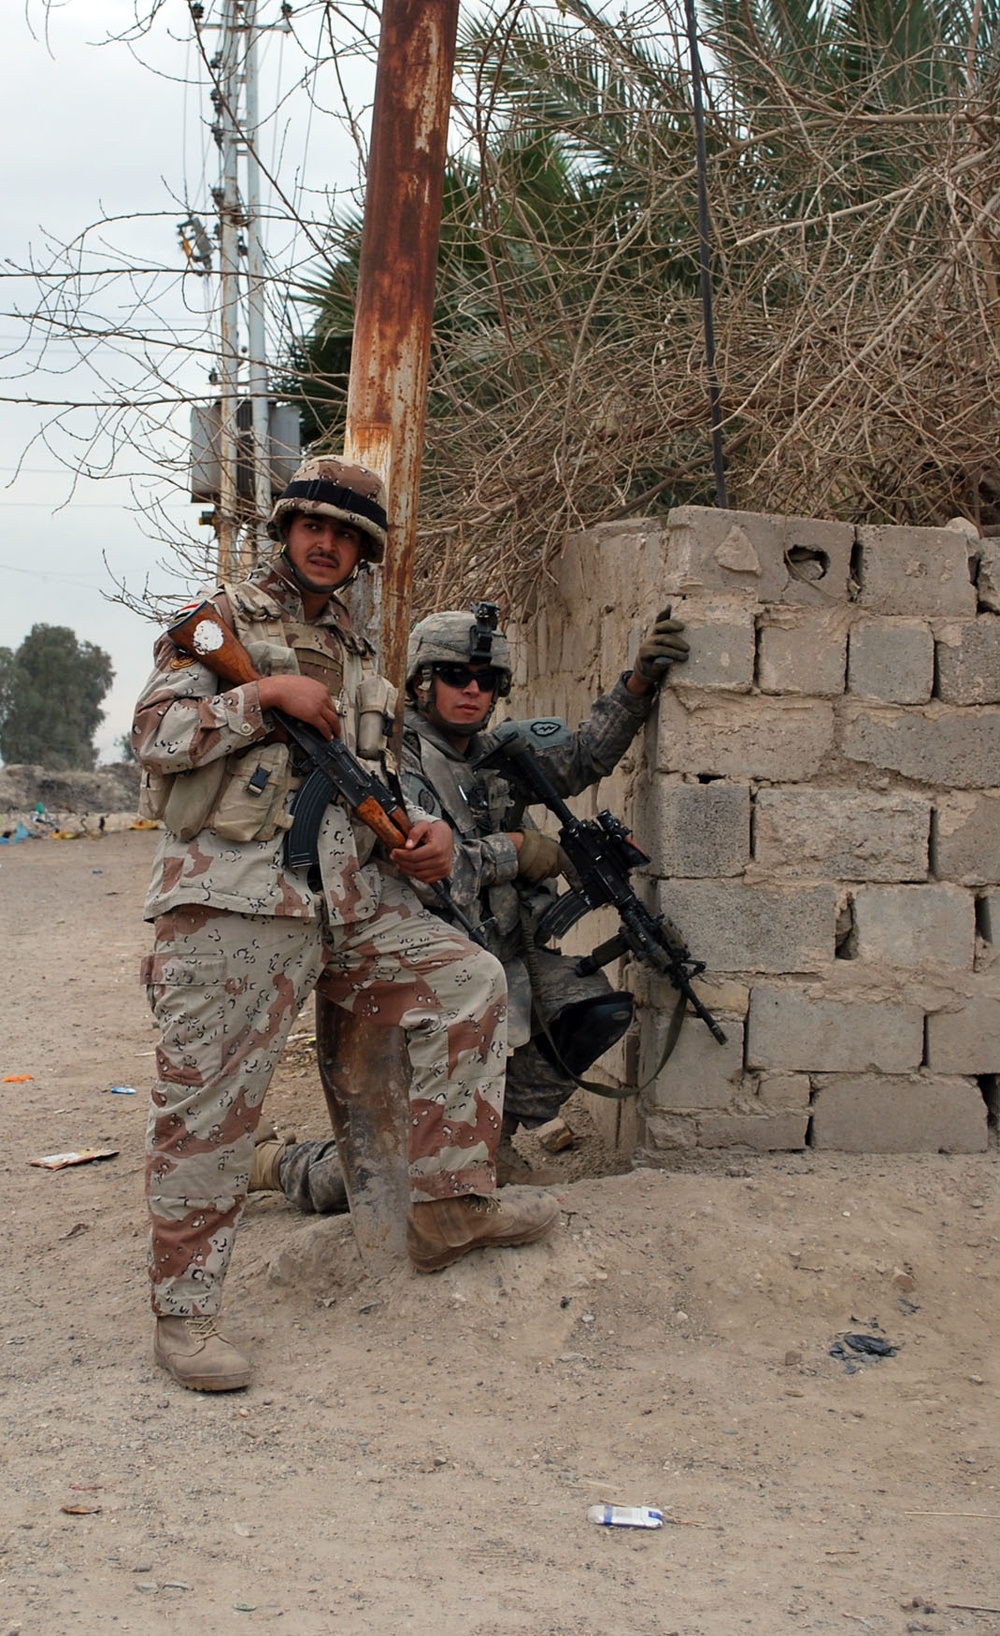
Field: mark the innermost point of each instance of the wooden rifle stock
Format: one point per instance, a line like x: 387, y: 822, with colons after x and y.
x: 203, y: 634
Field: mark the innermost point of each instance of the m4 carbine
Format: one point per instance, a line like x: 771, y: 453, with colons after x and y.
x: 603, y: 856
x: 204, y: 635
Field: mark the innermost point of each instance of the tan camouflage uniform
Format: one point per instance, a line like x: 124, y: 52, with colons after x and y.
x: 240, y: 942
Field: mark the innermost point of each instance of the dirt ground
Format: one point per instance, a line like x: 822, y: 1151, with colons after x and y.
x: 419, y: 1454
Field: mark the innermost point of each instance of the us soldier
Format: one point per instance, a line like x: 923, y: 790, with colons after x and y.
x: 458, y: 666
x: 241, y: 939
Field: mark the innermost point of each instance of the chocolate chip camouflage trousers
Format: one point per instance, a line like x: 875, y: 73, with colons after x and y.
x: 225, y: 989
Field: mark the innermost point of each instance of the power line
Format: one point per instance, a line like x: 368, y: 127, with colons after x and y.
x: 39, y: 573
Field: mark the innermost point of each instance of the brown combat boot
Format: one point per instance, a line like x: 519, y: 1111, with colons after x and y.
x: 267, y: 1157
x: 197, y: 1356
x: 512, y: 1166
x: 444, y: 1230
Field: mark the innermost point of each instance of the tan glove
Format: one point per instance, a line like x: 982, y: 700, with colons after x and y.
x: 663, y: 647
x: 539, y: 856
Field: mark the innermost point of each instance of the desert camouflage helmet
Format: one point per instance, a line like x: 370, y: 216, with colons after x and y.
x: 454, y: 638
x: 329, y: 487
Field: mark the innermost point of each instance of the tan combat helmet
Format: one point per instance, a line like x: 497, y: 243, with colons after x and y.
x: 329, y: 487
x: 456, y: 637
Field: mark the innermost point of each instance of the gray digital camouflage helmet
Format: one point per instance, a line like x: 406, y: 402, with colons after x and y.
x: 458, y: 636
x: 329, y: 487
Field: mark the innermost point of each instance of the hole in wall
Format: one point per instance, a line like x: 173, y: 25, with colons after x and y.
x: 857, y: 574
x: 990, y: 1088
x: 975, y: 562
x: 805, y: 564
x: 709, y: 778
x: 933, y: 843
x: 846, y: 934
x: 984, y: 920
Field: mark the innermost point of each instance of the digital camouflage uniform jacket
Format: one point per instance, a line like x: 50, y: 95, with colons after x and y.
x: 482, y: 807
x: 183, y: 722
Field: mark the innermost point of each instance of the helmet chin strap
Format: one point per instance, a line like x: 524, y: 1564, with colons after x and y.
x: 305, y: 584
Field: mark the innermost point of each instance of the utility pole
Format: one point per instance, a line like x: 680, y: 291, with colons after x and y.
x: 394, y: 315
x: 386, y: 406
x: 225, y: 96
x: 257, y: 382
x: 243, y: 445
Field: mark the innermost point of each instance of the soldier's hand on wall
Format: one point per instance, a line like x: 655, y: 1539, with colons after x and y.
x: 303, y: 697
x: 663, y: 647
x: 539, y: 856
x: 428, y: 853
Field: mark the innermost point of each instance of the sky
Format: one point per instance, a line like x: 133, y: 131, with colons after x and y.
x: 97, y: 131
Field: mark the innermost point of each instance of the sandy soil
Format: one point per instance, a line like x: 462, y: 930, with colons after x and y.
x: 418, y: 1454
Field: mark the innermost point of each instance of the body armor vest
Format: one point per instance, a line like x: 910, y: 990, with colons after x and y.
x: 243, y: 795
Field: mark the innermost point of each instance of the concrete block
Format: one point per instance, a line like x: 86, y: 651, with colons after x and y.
x: 694, y: 829
x: 699, y: 1073
x: 988, y: 575
x: 779, y: 1132
x: 578, y: 641
x: 842, y: 834
x: 802, y: 650
x: 743, y: 737
x: 891, y: 660
x: 938, y: 744
x: 666, y: 1133
x: 618, y: 563
x: 917, y: 1113
x: 734, y: 927
x: 762, y: 557
x: 915, y: 926
x: 722, y: 639
x: 968, y: 661
x: 784, y: 1090
x: 790, y: 1029
x: 914, y: 571
x: 965, y: 843
x: 965, y: 1039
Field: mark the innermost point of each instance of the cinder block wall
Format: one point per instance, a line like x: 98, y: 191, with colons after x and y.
x: 819, y: 790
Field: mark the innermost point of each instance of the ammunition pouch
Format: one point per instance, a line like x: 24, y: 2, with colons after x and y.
x: 252, y: 804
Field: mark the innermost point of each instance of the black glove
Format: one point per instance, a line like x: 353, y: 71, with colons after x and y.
x: 663, y: 647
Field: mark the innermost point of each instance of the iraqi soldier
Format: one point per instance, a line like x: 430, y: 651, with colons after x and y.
x: 503, y: 871
x: 241, y: 938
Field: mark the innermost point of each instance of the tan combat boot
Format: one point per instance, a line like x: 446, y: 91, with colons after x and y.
x: 444, y: 1230
x: 267, y: 1157
x: 198, y: 1356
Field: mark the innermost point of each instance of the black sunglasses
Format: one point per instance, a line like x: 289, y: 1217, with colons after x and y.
x: 487, y: 680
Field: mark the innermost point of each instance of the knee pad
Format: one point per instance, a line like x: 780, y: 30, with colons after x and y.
x: 582, y: 1032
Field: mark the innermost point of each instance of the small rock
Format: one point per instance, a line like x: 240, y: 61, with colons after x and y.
x: 555, y: 1136
x: 792, y: 1358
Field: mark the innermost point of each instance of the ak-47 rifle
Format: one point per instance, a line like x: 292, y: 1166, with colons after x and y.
x: 603, y: 856
x: 204, y: 635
